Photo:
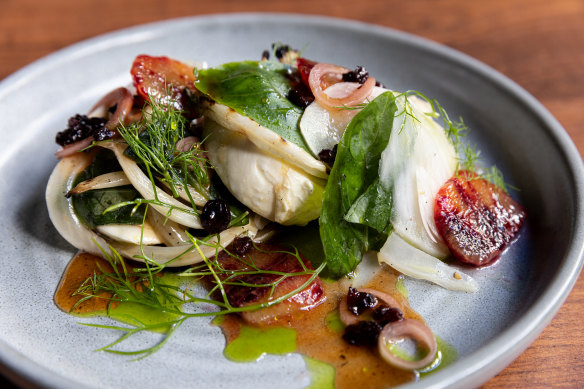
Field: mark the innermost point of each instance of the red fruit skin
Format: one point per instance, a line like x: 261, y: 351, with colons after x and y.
x: 476, y: 219
x: 304, y: 67
x: 163, y: 79
x: 272, y: 258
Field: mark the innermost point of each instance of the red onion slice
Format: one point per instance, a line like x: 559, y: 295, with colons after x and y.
x: 323, y: 76
x: 122, y: 99
x: 414, y: 330
x: 73, y: 148
x: 187, y: 144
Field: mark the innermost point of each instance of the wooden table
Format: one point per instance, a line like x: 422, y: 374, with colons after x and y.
x: 537, y: 43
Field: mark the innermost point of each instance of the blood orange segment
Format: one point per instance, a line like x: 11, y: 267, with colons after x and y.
x: 304, y: 67
x: 163, y: 79
x: 476, y: 219
x: 274, y: 259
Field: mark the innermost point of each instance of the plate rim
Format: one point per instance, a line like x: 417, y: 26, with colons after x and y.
x: 488, y: 359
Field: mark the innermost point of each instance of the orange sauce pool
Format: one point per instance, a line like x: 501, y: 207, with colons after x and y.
x: 81, y: 267
x: 355, y: 366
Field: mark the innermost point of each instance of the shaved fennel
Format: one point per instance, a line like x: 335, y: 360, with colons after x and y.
x: 418, y: 160
x: 60, y: 206
x: 175, y: 210
x: 268, y: 185
x: 266, y: 139
x: 143, y: 234
x: 407, y: 259
x: 108, y: 180
x: 183, y: 255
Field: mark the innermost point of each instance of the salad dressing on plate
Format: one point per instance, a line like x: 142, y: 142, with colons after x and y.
x: 81, y: 267
x: 319, y: 336
x: 315, y: 334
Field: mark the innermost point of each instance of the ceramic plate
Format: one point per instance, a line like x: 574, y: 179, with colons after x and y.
x: 517, y: 298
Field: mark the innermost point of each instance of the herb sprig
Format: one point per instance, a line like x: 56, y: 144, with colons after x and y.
x: 468, y: 155
x: 153, y: 142
x: 145, y: 287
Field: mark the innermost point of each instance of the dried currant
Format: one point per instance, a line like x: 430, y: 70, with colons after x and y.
x: 241, y: 246
x: 364, y: 333
x: 359, y: 75
x: 384, y: 314
x: 328, y: 156
x: 80, y: 127
x: 300, y: 96
x: 359, y: 302
x: 215, y: 216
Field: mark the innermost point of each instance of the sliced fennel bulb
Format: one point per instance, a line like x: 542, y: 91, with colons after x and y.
x: 131, y: 233
x: 60, y: 206
x: 268, y: 185
x: 323, y: 128
x: 265, y: 139
x: 415, y: 263
x: 417, y: 161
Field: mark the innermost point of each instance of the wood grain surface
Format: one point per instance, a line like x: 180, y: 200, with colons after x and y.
x: 537, y: 43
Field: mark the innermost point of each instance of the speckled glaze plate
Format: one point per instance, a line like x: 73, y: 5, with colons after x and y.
x: 518, y: 296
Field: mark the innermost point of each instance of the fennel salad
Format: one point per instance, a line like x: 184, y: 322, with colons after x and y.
x: 296, y: 193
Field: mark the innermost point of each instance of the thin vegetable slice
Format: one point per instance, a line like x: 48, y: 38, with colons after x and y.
x: 265, y: 139
x: 409, y: 260
x: 180, y: 214
x: 143, y: 234
x: 183, y: 255
x: 401, y: 331
x: 345, y: 94
x: 418, y: 160
x: 173, y: 234
x: 103, y: 181
x: 60, y: 206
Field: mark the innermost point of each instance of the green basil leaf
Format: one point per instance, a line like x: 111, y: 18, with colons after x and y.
x: 355, y: 170
x: 372, y: 208
x: 257, y: 90
x: 90, y: 206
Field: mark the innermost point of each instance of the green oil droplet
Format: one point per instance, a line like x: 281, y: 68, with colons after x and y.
x: 252, y: 343
x: 447, y: 355
x: 322, y: 375
x: 133, y: 313
x: 130, y: 313
x: 401, y: 287
x: 333, y: 321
